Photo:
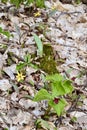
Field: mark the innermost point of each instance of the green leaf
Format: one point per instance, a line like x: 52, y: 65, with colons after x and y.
x: 16, y: 2
x: 74, y: 119
x: 55, y: 78
x: 5, y: 128
x: 39, y: 44
x: 40, y: 3
x: 5, y: 33
x: 59, y: 85
x: 57, y: 89
x: 0, y: 30
x: 67, y: 86
x: 20, y: 66
x: 27, y: 58
x: 59, y: 108
x: 61, y: 88
x: 44, y: 124
x: 78, y: 1
x: 42, y: 95
x: 33, y: 66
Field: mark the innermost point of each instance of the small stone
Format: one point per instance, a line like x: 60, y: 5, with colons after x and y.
x: 28, y: 103
x: 48, y: 4
x: 10, y: 71
x: 4, y: 85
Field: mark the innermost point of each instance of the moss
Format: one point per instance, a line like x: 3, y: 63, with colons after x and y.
x: 11, y: 58
x: 47, y: 62
x: 3, y: 47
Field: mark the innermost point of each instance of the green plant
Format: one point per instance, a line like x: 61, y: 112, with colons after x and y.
x: 73, y: 119
x: 38, y: 3
x: 27, y: 62
x: 5, y: 33
x: 39, y: 45
x: 5, y: 128
x: 59, y: 88
x: 40, y: 123
x: 78, y: 1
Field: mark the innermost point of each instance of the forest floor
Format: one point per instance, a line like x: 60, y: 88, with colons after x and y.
x: 64, y: 28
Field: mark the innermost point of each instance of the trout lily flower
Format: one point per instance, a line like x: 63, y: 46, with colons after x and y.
x: 20, y: 76
x: 37, y: 14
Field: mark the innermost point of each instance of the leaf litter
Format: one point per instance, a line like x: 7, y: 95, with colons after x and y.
x: 65, y: 29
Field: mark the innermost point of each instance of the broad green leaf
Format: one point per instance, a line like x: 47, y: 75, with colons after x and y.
x: 54, y: 78
x: 57, y: 89
x: 39, y: 44
x: 59, y: 85
x: 42, y: 95
x: 61, y: 88
x: 59, y: 108
x: 67, y: 86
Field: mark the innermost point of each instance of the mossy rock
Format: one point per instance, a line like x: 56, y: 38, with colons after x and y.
x: 47, y: 62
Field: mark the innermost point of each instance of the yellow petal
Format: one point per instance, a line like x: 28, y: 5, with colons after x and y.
x: 20, y: 76
x: 37, y: 14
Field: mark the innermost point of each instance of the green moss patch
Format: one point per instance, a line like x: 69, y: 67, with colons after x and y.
x: 47, y: 62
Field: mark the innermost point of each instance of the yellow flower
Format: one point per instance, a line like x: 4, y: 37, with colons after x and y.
x: 20, y: 76
x: 37, y: 14
x: 53, y: 7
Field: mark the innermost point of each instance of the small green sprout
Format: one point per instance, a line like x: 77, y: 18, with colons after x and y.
x: 5, y: 33
x: 27, y: 62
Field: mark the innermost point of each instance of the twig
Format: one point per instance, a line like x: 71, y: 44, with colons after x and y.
x: 81, y: 90
x: 68, y: 13
x: 77, y: 109
x: 1, y: 115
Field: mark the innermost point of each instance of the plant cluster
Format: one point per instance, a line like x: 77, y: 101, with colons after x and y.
x: 59, y: 87
x: 38, y: 3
